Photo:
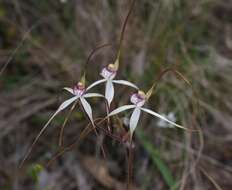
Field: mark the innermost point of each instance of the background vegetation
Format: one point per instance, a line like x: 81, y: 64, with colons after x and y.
x: 44, y: 45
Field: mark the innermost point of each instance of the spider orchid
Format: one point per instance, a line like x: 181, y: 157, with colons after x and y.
x: 79, y: 93
x: 109, y: 73
x: 138, y: 100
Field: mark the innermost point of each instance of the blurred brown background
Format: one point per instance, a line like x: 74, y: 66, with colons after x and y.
x: 44, y: 46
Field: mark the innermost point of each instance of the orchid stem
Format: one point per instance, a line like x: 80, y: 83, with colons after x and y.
x: 95, y: 130
x: 122, y: 34
x: 130, y: 165
x: 64, y: 124
x: 165, y: 71
x: 92, y: 53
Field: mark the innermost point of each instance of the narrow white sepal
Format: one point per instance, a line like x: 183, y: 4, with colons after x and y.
x: 67, y: 103
x: 124, y: 82
x: 69, y: 90
x: 61, y: 107
x: 121, y: 109
x: 109, y: 91
x: 87, y: 109
x: 95, y: 84
x: 134, y: 119
x: 161, y: 117
x: 90, y: 95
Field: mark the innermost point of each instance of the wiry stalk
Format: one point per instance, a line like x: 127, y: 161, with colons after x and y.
x: 95, y: 130
x: 65, y: 122
x: 154, y: 85
x: 122, y: 34
x: 87, y: 130
x: 83, y: 134
x: 130, y: 165
x: 92, y: 53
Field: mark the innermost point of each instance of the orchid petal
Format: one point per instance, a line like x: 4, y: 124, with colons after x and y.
x: 134, y: 119
x: 95, y: 84
x: 121, y: 109
x: 161, y: 117
x: 62, y: 107
x: 87, y: 109
x: 126, y: 83
x: 109, y: 92
x: 90, y: 95
x: 69, y: 90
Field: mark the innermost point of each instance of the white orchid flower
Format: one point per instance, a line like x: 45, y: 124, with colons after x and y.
x: 109, y: 73
x: 138, y: 99
x: 79, y: 93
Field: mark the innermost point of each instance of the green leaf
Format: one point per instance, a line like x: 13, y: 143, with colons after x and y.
x: 156, y: 159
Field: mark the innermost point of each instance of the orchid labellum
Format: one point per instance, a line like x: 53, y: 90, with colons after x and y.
x: 138, y: 100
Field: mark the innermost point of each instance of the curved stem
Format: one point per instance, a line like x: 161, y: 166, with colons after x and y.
x: 92, y: 53
x: 83, y: 134
x: 154, y: 85
x: 122, y: 33
x: 65, y: 122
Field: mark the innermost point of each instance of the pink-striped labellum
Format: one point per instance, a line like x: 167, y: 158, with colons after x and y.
x: 138, y: 100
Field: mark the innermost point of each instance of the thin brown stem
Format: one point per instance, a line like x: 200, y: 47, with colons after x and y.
x: 124, y: 28
x: 84, y: 134
x: 130, y: 166
x: 95, y: 131
x: 92, y: 53
x: 65, y: 122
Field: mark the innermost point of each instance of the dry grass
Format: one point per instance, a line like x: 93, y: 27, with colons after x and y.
x: 46, y: 46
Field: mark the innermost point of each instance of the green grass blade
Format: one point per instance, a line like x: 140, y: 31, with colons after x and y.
x: 156, y: 159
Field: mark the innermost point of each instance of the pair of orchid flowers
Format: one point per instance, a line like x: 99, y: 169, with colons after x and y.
x: 80, y: 92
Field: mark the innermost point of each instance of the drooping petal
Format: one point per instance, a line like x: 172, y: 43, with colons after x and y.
x: 161, y: 117
x: 87, y: 109
x: 134, y: 119
x: 90, y: 95
x: 62, y: 107
x: 69, y: 90
x: 121, y: 109
x: 109, y: 92
x: 126, y: 83
x: 95, y: 84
